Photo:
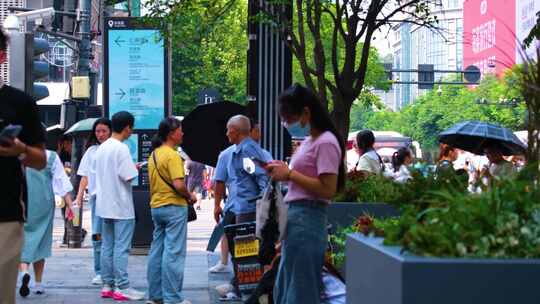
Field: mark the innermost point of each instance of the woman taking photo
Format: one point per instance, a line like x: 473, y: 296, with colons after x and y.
x: 101, y: 131
x: 317, y: 172
x: 169, y: 199
x: 369, y: 161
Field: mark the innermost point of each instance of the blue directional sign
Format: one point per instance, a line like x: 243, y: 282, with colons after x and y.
x: 136, y: 75
x: 136, y: 79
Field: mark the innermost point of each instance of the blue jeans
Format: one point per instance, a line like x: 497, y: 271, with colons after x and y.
x: 96, y: 235
x: 167, y: 254
x: 116, y: 242
x: 299, y: 277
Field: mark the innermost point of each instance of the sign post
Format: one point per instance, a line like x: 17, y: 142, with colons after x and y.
x: 136, y: 80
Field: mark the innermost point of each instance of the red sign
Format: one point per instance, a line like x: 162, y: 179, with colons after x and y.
x: 489, y: 39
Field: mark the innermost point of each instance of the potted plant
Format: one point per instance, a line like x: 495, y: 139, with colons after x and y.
x: 453, y: 247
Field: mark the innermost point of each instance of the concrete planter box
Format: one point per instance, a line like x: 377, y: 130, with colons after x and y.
x: 342, y: 214
x: 382, y: 275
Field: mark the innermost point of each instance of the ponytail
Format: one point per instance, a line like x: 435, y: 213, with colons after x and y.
x: 395, y: 162
x: 156, y: 142
x: 398, y: 158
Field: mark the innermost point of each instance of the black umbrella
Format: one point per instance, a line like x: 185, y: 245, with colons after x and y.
x: 205, y: 130
x: 473, y: 135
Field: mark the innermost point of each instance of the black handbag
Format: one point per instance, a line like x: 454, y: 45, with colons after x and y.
x: 192, y: 214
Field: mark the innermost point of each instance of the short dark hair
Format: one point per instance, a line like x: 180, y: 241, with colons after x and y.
x: 365, y: 140
x: 121, y: 120
x: 3, y: 39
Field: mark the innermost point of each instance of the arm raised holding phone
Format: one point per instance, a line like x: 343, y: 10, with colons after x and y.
x: 11, y: 146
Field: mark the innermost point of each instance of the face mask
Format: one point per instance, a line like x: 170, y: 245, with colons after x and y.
x: 297, y: 131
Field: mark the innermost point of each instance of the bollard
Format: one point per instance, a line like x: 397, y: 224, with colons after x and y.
x: 75, y: 229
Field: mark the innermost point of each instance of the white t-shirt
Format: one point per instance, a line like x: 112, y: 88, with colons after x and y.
x: 87, y: 168
x: 114, y: 171
x: 60, y: 180
x: 403, y: 175
x: 369, y: 162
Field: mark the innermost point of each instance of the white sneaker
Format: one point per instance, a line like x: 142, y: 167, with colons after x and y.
x: 219, y: 267
x: 127, y: 294
x: 224, y: 289
x: 230, y: 296
x: 97, y: 280
x: 39, y: 289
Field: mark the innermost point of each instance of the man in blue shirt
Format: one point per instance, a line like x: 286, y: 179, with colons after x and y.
x: 244, y: 178
x: 249, y: 178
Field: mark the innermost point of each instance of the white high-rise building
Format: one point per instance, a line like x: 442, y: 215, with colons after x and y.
x: 413, y: 45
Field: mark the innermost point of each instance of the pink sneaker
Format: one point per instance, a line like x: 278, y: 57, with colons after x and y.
x: 107, y: 291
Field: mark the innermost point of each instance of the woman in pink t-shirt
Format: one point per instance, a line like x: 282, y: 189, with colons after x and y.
x: 316, y: 173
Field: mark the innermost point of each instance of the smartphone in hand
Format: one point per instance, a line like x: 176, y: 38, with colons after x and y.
x: 259, y: 162
x: 9, y: 133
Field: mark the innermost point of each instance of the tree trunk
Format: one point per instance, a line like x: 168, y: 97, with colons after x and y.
x: 341, y: 115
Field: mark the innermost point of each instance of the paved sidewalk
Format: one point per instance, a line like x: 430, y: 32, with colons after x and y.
x: 69, y: 271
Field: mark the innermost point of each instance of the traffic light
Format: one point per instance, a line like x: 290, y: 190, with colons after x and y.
x: 25, y: 67
x: 426, y: 76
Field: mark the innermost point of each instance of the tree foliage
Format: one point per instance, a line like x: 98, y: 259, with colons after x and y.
x: 209, y: 45
x: 432, y: 113
x: 338, y: 71
x: 529, y: 84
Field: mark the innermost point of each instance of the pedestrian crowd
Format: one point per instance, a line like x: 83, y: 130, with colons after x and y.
x: 32, y: 176
x: 481, y: 171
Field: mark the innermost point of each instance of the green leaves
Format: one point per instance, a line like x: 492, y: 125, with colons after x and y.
x: 209, y: 45
x: 372, y: 189
x: 501, y: 223
x: 432, y: 113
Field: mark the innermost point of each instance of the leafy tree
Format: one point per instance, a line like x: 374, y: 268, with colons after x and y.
x: 209, y: 45
x: 432, y: 113
x: 534, y: 33
x: 529, y: 84
x: 363, y: 109
x: 338, y: 69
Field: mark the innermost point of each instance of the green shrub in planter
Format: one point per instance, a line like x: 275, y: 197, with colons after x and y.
x: 379, y: 189
x: 501, y: 223
x: 372, y: 188
x: 365, y: 224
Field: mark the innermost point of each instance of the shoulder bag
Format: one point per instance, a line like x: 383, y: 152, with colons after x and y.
x: 192, y: 214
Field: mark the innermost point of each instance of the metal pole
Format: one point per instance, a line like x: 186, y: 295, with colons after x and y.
x: 85, y: 54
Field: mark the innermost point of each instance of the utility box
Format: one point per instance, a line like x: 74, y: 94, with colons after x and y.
x: 80, y: 87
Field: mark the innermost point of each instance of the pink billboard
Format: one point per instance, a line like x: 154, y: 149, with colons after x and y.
x: 489, y: 39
